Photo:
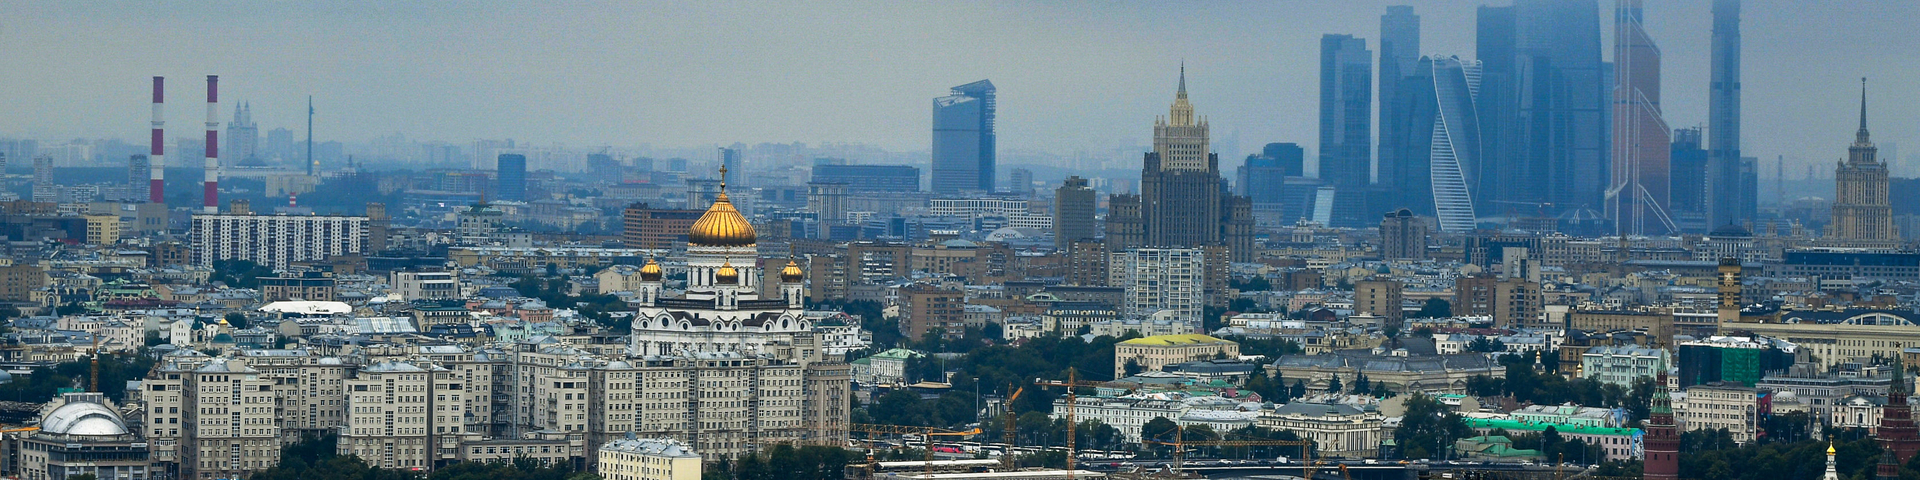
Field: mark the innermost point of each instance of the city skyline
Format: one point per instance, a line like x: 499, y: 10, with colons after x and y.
x: 1062, y: 96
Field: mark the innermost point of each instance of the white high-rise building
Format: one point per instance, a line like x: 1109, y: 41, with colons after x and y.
x: 275, y: 240
x: 1160, y: 279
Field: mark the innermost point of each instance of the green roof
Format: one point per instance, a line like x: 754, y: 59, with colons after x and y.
x: 1517, y: 425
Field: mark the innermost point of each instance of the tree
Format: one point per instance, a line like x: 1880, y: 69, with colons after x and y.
x: 1299, y: 390
x: 236, y: 319
x: 1333, y: 386
x: 1435, y: 308
x: 1361, y: 386
x: 1133, y: 367
x: 1428, y: 428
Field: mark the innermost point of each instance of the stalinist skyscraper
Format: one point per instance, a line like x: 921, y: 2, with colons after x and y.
x: 1182, y: 202
x: 1862, y: 215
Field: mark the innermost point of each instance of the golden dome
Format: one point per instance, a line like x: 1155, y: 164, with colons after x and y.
x: 721, y: 226
x: 651, y: 271
x: 792, y: 273
x: 726, y: 275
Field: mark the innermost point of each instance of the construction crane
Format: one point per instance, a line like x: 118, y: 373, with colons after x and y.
x: 1006, y: 458
x: 1179, y: 443
x: 1071, y: 382
x: 928, y: 432
x: 19, y: 429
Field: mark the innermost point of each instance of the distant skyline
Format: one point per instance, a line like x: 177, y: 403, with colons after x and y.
x: 1070, y: 75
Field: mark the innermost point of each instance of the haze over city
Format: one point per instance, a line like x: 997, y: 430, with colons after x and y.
x: 1071, y: 75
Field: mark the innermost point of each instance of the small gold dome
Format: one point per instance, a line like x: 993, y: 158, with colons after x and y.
x: 721, y: 226
x: 792, y: 273
x: 726, y: 275
x: 651, y: 271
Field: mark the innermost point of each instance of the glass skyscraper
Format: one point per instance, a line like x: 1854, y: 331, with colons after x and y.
x: 1346, y: 125
x: 963, y: 143
x: 512, y: 173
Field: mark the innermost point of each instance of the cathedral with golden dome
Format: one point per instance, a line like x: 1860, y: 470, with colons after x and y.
x: 722, y: 309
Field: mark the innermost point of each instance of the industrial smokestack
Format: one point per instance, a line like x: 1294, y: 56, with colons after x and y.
x: 157, y: 153
x: 212, y: 204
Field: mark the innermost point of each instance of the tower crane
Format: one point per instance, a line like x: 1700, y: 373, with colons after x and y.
x: 1006, y: 458
x: 927, y: 432
x: 1072, y: 381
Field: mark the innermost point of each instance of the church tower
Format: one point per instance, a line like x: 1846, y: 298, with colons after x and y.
x: 1897, y: 433
x: 1862, y: 214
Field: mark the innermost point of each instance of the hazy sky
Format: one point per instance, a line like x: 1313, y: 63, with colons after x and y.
x: 1071, y: 75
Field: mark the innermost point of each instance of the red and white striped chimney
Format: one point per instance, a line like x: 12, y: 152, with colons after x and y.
x: 212, y: 193
x: 157, y: 153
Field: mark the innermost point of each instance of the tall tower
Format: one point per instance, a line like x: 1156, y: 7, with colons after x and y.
x: 1662, y: 439
x: 1897, y: 433
x: 1542, y: 108
x: 1861, y: 210
x: 1729, y: 291
x: 1727, y: 203
x: 157, y: 146
x: 963, y: 140
x: 1454, y: 156
x: 1180, y: 180
x: 1637, y: 200
x: 211, y: 189
x: 243, y: 137
x: 1402, y: 88
x: 1346, y: 125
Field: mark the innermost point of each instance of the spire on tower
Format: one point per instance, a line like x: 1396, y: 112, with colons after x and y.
x: 1862, y: 136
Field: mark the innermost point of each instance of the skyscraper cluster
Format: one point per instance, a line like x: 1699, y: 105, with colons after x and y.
x: 1536, y: 124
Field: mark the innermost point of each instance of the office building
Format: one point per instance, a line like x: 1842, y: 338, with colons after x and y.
x: 1160, y: 281
x: 1862, y: 215
x: 870, y: 178
x: 1690, y: 204
x: 1730, y: 191
x: 1542, y: 114
x: 1454, y: 160
x: 1403, y: 236
x: 275, y: 241
x: 1403, y: 86
x: 1073, y: 213
x: 512, y: 175
x: 963, y: 140
x: 1020, y: 182
x: 1181, y: 201
x: 1736, y: 408
x: 1346, y: 126
x: 1260, y: 179
x: 734, y: 165
x: 646, y: 227
x: 1639, y: 197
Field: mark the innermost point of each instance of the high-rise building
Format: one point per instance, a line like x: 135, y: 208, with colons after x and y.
x: 1346, y: 126
x: 1543, y: 103
x: 1690, y: 204
x: 235, y: 236
x: 1181, y: 201
x: 1158, y: 280
x: 1402, y: 87
x: 225, y: 409
x: 1380, y: 296
x: 1403, y: 236
x: 138, y: 169
x: 1262, y: 177
x: 963, y: 140
x: 512, y: 175
x: 1640, y: 194
x: 44, y: 190
x: 827, y: 201
x: 243, y: 137
x: 736, y: 168
x: 1861, y: 212
x: 927, y: 308
x: 654, y: 228
x: 1730, y: 194
x: 1455, y: 159
x: 1020, y: 182
x: 1073, y: 211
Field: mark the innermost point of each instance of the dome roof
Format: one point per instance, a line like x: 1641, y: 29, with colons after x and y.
x: 651, y: 271
x: 721, y: 226
x: 792, y: 273
x: 727, y: 274
x: 1730, y: 230
x: 83, y: 418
